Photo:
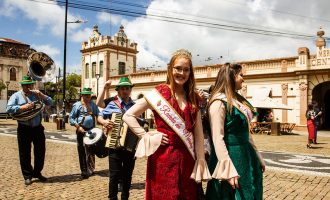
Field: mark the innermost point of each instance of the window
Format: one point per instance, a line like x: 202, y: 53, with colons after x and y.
x: 12, y: 74
x: 121, y: 69
x: 101, y: 68
x: 93, y: 69
x: 87, y: 71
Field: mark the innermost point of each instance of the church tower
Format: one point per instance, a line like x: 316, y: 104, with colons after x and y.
x: 106, y: 56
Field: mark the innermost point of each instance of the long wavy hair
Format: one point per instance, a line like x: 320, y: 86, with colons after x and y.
x: 190, y: 85
x: 225, y: 83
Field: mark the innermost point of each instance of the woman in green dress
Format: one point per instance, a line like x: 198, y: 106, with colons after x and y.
x: 235, y: 163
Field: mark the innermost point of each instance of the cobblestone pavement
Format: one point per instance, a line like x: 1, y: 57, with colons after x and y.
x: 62, y: 168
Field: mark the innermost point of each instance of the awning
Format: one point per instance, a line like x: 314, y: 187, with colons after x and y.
x: 261, y: 99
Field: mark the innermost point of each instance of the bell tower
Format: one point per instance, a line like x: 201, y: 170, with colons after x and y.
x: 106, y: 56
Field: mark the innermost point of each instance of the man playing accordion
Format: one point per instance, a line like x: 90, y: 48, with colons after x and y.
x: 121, y: 160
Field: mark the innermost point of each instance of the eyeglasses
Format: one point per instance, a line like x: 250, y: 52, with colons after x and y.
x: 180, y: 70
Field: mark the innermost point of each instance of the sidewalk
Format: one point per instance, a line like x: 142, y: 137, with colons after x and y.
x: 62, y: 168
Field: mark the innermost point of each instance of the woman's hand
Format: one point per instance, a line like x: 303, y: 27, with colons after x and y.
x: 263, y: 168
x: 164, y: 139
x: 233, y: 182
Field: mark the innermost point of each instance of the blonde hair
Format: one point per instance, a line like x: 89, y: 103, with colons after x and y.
x: 190, y: 85
x: 225, y: 83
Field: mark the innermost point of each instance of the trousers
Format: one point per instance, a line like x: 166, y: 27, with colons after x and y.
x: 27, y: 135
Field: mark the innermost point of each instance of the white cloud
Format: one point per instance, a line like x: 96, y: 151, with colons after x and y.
x: 46, y: 15
x: 6, y: 10
x: 81, y: 35
x: 106, y: 18
x: 157, y: 39
x: 47, y: 49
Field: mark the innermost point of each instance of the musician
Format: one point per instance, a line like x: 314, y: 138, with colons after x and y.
x: 121, y: 161
x: 30, y: 131
x: 83, y: 116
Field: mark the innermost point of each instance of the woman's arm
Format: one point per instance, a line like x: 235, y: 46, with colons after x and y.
x: 149, y: 141
x: 225, y: 169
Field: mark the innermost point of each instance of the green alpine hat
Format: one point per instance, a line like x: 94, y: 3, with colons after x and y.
x: 124, y: 81
x: 86, y: 91
x: 27, y: 80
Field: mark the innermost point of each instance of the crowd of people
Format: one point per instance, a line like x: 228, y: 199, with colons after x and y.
x: 189, y: 129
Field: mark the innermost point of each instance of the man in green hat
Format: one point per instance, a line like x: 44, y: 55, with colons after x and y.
x: 121, y: 160
x: 83, y: 116
x: 29, y: 131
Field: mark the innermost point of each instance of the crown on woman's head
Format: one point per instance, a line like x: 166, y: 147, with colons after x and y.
x: 182, y: 52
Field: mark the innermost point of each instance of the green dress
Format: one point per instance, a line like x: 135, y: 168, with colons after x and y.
x: 244, y: 158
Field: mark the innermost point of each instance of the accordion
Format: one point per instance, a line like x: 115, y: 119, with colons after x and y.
x: 120, y: 135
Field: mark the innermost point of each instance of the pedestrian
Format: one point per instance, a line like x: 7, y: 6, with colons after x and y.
x: 121, y: 160
x: 310, y: 115
x: 175, y: 150
x: 31, y: 130
x: 83, y: 116
x: 318, y: 118
x: 235, y: 163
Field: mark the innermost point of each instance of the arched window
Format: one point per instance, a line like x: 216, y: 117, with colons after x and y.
x: 121, y: 68
x: 12, y: 74
x: 101, y: 68
x: 87, y: 70
x: 93, y: 69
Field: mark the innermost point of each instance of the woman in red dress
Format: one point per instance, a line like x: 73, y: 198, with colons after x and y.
x: 172, y: 172
x: 310, y: 115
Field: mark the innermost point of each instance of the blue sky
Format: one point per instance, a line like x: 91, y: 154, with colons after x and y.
x: 40, y: 23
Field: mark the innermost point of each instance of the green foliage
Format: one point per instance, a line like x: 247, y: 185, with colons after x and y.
x: 73, y: 81
x: 2, y: 86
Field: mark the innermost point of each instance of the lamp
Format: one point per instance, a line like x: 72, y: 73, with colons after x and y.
x: 64, y: 52
x: 97, y: 76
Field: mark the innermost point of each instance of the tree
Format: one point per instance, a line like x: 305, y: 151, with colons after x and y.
x: 73, y: 81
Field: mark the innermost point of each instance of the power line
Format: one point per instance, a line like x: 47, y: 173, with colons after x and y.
x: 193, y: 22
x: 281, y: 12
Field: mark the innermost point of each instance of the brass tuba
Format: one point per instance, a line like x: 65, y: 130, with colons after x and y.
x: 40, y: 68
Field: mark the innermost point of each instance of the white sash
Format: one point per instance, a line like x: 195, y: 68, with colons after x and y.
x: 172, y: 118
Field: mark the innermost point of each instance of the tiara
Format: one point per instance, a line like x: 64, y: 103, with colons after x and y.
x: 182, y: 52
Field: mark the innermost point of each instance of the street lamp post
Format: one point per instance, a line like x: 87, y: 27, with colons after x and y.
x: 97, y: 76
x: 64, y: 56
x: 7, y: 84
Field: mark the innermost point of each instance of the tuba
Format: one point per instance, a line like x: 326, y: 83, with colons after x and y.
x: 40, y: 68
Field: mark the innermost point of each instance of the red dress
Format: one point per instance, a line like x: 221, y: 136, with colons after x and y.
x: 170, y: 167
x: 311, y: 129
x: 311, y: 125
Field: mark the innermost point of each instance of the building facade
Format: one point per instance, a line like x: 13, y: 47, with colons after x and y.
x: 294, y: 81
x: 13, y: 64
x: 106, y: 56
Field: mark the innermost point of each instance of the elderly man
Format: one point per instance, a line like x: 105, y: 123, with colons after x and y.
x: 30, y: 131
x: 121, y: 160
x: 83, y: 116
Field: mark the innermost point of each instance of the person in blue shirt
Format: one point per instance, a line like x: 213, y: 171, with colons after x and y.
x: 83, y: 116
x: 121, y: 160
x: 30, y: 131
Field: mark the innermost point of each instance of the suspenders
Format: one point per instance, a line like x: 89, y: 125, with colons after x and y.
x: 89, y: 112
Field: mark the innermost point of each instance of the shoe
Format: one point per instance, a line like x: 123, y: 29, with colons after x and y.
x: 308, y: 146
x: 84, y: 175
x: 28, y: 181
x: 41, y: 178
